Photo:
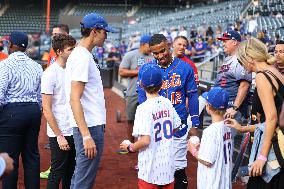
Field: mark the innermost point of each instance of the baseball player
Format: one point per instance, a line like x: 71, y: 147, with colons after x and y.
x: 178, y: 85
x: 214, y: 154
x: 155, y: 121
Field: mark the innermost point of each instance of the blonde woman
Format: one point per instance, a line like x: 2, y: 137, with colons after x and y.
x: 265, y: 172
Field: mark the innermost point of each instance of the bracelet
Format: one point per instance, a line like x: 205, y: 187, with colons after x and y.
x: 86, y: 138
x: 262, y: 157
x: 130, y: 148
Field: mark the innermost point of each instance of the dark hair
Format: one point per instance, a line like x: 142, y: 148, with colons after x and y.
x: 181, y: 37
x: 85, y: 32
x: 63, y: 27
x: 61, y: 41
x: 157, y: 39
x: 152, y: 90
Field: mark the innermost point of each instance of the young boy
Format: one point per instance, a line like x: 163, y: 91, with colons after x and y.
x: 154, y: 124
x: 214, y: 154
x: 54, y: 106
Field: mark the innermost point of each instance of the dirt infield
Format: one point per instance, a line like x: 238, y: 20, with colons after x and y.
x: 115, y: 171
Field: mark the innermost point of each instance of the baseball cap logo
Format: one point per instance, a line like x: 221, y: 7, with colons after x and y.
x: 226, y: 34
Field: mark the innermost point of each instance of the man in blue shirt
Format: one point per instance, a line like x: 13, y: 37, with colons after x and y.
x: 20, y: 114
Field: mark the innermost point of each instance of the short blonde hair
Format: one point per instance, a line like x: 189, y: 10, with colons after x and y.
x: 256, y: 50
x: 220, y: 112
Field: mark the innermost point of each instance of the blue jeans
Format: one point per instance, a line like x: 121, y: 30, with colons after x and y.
x: 86, y: 169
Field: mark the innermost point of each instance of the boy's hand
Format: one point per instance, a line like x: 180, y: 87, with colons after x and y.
x: 62, y: 143
x: 123, y: 146
x: 192, y: 148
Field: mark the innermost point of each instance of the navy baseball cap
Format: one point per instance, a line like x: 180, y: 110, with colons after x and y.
x: 217, y: 97
x: 19, y: 39
x: 145, y: 39
x: 152, y: 76
x: 94, y: 20
x: 231, y: 35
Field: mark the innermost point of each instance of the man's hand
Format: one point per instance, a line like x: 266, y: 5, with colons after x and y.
x: 194, y: 132
x: 62, y: 143
x: 230, y: 113
x: 90, y: 147
x: 9, y: 163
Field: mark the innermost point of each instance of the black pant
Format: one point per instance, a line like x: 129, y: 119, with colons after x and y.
x: 180, y: 179
x: 62, y: 164
x: 19, y: 130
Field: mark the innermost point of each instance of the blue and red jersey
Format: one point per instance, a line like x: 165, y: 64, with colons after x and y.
x: 178, y: 84
x: 191, y: 63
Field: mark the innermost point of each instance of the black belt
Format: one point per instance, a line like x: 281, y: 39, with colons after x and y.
x: 14, y: 104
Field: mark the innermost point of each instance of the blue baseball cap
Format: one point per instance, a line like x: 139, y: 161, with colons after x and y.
x: 231, y: 35
x: 152, y: 76
x: 94, y: 20
x: 145, y: 39
x: 217, y: 97
x: 19, y: 39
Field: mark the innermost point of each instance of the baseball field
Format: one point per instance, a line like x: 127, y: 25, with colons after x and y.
x: 115, y: 171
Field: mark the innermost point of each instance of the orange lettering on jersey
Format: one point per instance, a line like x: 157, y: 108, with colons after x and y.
x: 165, y: 84
x: 174, y: 81
x: 176, y: 97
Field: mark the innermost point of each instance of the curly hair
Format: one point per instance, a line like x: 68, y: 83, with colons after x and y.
x: 61, y: 41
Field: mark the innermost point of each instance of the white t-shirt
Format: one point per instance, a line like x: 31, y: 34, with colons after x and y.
x: 157, y: 118
x: 215, y: 148
x: 52, y: 83
x: 81, y: 67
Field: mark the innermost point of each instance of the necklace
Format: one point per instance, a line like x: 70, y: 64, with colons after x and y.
x: 165, y: 67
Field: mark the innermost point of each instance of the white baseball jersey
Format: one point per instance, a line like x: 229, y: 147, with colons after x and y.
x: 215, y: 148
x: 157, y: 118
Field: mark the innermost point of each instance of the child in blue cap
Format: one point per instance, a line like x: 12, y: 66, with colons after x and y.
x: 214, y: 153
x: 154, y: 124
